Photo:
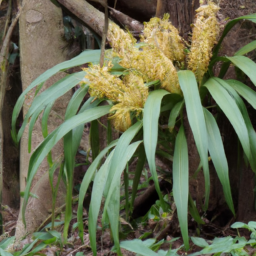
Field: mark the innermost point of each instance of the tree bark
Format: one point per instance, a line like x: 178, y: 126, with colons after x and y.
x: 41, y: 47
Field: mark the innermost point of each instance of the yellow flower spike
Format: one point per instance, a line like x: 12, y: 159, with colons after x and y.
x: 120, y: 41
x: 122, y: 121
x: 162, y: 34
x: 103, y: 84
x: 129, y: 94
x: 150, y: 62
x: 205, y: 34
x: 154, y: 65
x: 132, y: 100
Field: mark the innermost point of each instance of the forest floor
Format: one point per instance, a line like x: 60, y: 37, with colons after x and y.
x: 159, y: 230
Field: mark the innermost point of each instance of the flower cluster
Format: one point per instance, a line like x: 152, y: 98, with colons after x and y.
x: 158, y: 59
x: 162, y: 34
x: 150, y: 61
x: 205, y: 34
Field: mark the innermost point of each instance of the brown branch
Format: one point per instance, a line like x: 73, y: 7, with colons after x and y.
x: 104, y: 3
x: 86, y: 13
x: 104, y: 38
x: 143, y: 202
x: 115, y: 4
x: 126, y: 21
x: 5, y: 47
x: 9, y: 12
x: 159, y: 8
x: 92, y: 17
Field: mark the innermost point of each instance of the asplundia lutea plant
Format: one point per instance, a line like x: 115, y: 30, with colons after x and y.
x: 172, y: 68
x: 205, y: 34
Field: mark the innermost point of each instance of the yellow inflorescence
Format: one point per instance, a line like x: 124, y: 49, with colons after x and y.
x: 205, y: 34
x: 103, y: 84
x: 132, y: 100
x: 129, y: 94
x: 154, y: 65
x: 153, y: 61
x: 149, y: 61
x: 121, y: 41
x: 162, y: 34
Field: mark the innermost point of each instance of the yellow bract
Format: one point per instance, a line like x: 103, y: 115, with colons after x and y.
x: 103, y: 84
x: 149, y: 61
x: 162, y: 34
x: 205, y: 34
x: 132, y: 100
x: 129, y: 94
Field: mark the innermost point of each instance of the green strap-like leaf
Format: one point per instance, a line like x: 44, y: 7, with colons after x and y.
x: 77, y: 132
x: 84, y: 57
x: 247, y: 48
x: 113, y: 216
x: 85, y: 184
x: 4, y: 253
x: 150, y: 133
x: 121, y: 148
x: 245, y: 91
x: 180, y: 183
x: 112, y: 203
x: 229, y: 26
x: 231, y: 110
x: 30, y: 129
x: 251, y: 131
x: 70, y: 152
x: 47, y: 97
x: 45, y: 128
x: 45, y: 119
x: 69, y: 168
x: 7, y: 242
x: 246, y: 65
x: 44, y: 148
x: 76, y: 101
x: 218, y: 156
x: 193, y: 211
x: 97, y: 193
x: 196, y: 120
x: 174, y: 114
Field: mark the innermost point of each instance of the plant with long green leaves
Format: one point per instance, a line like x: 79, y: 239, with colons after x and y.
x: 140, y: 84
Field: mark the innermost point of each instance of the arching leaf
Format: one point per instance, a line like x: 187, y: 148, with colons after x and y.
x: 150, y: 133
x: 231, y: 110
x: 218, y: 156
x: 196, y: 120
x: 180, y: 183
x: 246, y: 65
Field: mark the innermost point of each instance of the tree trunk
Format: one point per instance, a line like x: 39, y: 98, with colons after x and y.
x: 41, y: 47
